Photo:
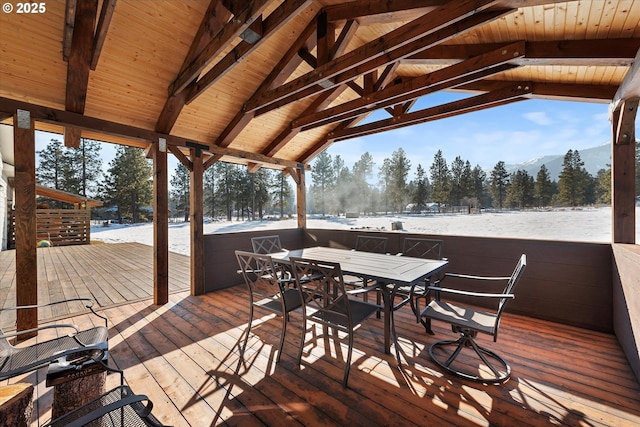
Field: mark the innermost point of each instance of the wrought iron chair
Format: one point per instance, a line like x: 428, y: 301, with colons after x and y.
x: 267, y: 289
x: 417, y: 248
x: 266, y: 244
x: 361, y: 285
x: 326, y: 301
x: 76, y: 346
x: 468, y: 322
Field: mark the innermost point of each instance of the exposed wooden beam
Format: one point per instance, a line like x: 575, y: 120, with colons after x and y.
x: 253, y: 32
x: 67, y: 118
x: 415, y: 87
x: 605, y: 52
x: 252, y: 9
x: 72, y: 137
x: 488, y: 100
x: 276, y: 20
x: 321, y: 145
x: 557, y: 91
x: 445, y: 15
x: 80, y: 56
x: 214, y: 19
x: 374, y: 11
x: 182, y: 158
x: 211, y: 160
x: 69, y: 19
x: 630, y: 87
x: 106, y: 13
x: 287, y: 65
x: 322, y: 100
x: 351, y: 73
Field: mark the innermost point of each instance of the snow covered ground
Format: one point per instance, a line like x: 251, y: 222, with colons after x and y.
x: 582, y: 225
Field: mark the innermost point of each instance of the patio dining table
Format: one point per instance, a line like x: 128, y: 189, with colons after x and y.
x: 383, y: 268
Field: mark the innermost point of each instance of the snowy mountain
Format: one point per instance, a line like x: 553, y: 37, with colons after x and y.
x: 594, y: 159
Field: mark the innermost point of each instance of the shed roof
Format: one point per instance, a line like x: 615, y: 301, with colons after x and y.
x: 270, y: 82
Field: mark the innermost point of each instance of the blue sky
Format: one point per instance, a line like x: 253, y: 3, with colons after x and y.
x: 513, y: 133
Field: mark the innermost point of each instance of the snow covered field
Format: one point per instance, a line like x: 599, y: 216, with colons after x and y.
x: 582, y: 225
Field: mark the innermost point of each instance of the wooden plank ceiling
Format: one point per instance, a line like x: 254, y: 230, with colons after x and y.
x: 275, y: 82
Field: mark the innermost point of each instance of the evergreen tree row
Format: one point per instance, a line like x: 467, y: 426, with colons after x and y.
x: 127, y: 186
x: 336, y: 189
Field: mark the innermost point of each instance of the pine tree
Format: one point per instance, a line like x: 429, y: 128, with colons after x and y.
x: 544, y: 187
x: 129, y: 182
x: 498, y: 183
x: 384, y: 180
x: 50, y: 168
x: 478, y: 186
x: 400, y: 165
x: 521, y: 191
x: 574, y: 180
x: 603, y: 186
x: 210, y: 190
x: 224, y: 174
x: 457, y: 181
x: 87, y: 163
x: 440, y: 180
x: 323, y: 176
x: 420, y: 191
x: 282, y: 193
x: 180, y: 190
x: 361, y: 171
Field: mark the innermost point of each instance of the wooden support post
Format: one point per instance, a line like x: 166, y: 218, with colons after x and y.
x: 160, y: 224
x: 623, y: 172
x: 196, y: 207
x: 301, y: 196
x: 25, y: 201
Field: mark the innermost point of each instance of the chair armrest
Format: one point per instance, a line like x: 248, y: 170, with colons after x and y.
x: 364, y: 289
x: 468, y: 276
x: 468, y: 293
x: 28, y: 331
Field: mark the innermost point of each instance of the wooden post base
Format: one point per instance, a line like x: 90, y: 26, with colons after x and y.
x: 16, y: 404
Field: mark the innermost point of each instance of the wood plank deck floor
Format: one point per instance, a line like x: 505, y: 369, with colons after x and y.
x: 109, y: 273
x: 186, y: 356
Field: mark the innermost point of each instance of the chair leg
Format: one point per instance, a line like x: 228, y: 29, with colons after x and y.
x: 500, y: 369
x: 282, y: 334
x: 348, y: 362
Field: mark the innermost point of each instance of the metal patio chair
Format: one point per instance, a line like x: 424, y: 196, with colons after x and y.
x: 326, y: 301
x: 468, y: 321
x: 417, y: 248
x: 268, y: 289
x: 77, y: 346
x: 266, y: 244
x: 361, y: 285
